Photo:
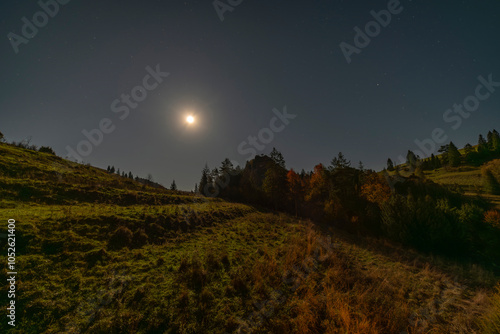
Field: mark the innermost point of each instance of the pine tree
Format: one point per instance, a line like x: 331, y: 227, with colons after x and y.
x: 444, y: 154
x: 214, y: 175
x: 482, y: 147
x: 411, y: 159
x: 390, y: 165
x: 489, y: 138
x: 204, y: 180
x: 196, y: 188
x: 108, y: 169
x: 173, y: 186
x: 112, y: 170
x: 495, y: 141
x: 227, y: 167
x: 454, y: 155
x: 340, y: 162
x: 278, y: 158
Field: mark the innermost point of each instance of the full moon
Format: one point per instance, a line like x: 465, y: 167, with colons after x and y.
x: 190, y: 119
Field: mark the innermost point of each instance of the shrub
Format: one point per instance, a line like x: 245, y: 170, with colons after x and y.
x: 122, y: 237
x: 47, y: 149
x: 492, y: 217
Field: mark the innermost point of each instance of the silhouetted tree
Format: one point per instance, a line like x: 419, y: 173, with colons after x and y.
x: 482, y: 147
x: 173, y: 186
x: 390, y: 165
x: 454, y: 156
x: 275, y: 184
x: 411, y: 159
x: 112, y: 169
x: 204, y: 182
x: 340, y: 162
x: 495, y: 141
x: 278, y: 158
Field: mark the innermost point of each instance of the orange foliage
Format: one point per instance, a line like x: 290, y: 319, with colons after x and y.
x: 492, y: 217
x: 317, y: 184
x: 375, y: 189
x: 294, y: 183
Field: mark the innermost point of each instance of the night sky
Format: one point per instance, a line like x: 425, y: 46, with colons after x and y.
x: 231, y: 74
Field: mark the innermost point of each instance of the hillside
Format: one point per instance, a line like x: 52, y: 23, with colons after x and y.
x: 97, y: 253
x: 468, y: 179
x: 28, y: 176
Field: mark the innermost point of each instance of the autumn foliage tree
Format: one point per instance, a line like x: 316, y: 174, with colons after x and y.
x: 375, y: 189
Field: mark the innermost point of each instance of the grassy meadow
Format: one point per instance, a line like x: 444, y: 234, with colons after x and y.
x: 96, y: 253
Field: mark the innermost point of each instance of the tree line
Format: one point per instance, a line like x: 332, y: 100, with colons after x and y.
x: 413, y: 211
x: 450, y: 156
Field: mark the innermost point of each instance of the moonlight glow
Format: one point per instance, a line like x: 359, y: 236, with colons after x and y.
x: 190, y: 119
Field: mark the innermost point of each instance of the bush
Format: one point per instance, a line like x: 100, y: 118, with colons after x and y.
x: 122, y: 237
x: 492, y: 218
x: 47, y: 149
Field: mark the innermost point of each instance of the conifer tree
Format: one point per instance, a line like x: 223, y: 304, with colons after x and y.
x: 204, y: 180
x: 390, y: 165
x: 454, y: 156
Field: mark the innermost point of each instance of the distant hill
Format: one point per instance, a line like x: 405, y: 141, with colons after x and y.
x: 31, y: 176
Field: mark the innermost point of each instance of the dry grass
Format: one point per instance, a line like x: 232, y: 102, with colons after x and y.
x: 342, y: 291
x: 490, y: 322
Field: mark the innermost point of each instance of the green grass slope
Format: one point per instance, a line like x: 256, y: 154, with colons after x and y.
x: 28, y: 176
x: 468, y: 179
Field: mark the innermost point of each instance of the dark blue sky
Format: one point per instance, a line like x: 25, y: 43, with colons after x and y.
x: 232, y: 73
